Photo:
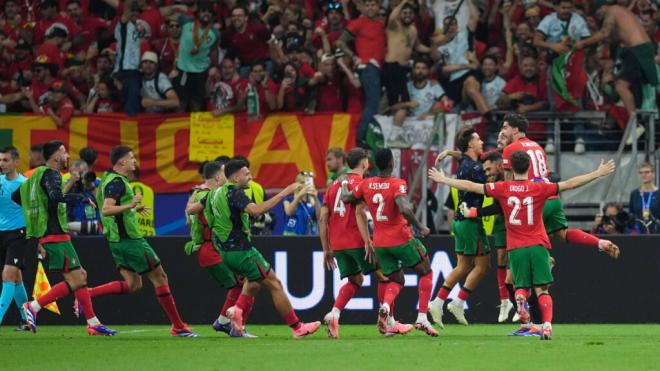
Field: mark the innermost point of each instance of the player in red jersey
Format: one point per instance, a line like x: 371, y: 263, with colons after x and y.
x: 527, y: 243
x: 344, y: 236
x: 395, y: 246
x: 515, y: 127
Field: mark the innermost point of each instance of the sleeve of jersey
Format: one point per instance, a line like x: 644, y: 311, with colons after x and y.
x: 115, y: 190
x: 401, y: 189
x: 353, y: 27
x: 492, y: 190
x: 52, y: 183
x: 357, y: 191
x: 506, y: 157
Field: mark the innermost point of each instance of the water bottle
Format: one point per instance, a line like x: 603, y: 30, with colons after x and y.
x: 252, y: 103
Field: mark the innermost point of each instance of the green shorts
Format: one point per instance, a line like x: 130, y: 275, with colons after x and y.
x: 554, y: 218
x: 470, y: 238
x: 530, y: 266
x: 223, y: 275
x: 134, y: 255
x: 499, y: 232
x: 62, y: 256
x: 392, y: 259
x: 351, y: 261
x: 249, y: 264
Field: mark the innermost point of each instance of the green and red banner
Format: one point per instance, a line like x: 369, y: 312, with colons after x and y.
x: 278, y: 147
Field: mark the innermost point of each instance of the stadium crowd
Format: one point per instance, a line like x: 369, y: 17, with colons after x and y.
x: 69, y: 56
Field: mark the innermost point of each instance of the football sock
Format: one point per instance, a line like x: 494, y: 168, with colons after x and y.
x: 576, y: 236
x: 58, y: 291
x: 501, y: 285
x: 230, y: 300
x: 464, y: 294
x: 85, y: 302
x: 292, y: 320
x: 167, y: 302
x: 392, y: 291
x: 425, y: 288
x: 346, y: 292
x: 248, y: 308
x: 6, y: 298
x: 509, y: 289
x: 421, y: 317
x: 534, y: 311
x: 382, y: 286
x: 522, y: 292
x: 110, y: 288
x: 545, y: 305
x: 443, y: 294
x: 335, y: 312
x: 20, y: 297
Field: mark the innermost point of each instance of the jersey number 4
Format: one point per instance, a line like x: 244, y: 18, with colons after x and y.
x: 339, y: 206
x: 516, y: 204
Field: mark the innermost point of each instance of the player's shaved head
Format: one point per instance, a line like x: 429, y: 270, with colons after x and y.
x: 384, y: 159
x: 211, y: 169
x: 355, y: 156
x: 118, y: 152
x: 520, y: 162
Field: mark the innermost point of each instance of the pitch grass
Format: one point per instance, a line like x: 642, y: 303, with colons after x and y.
x: 476, y: 347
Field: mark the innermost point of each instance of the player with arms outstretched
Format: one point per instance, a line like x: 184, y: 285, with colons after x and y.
x: 395, y: 246
x: 527, y: 242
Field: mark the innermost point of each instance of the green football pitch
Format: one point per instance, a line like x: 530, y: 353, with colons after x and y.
x: 476, y: 347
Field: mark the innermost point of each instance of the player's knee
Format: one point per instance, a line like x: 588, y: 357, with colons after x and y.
x: 397, y: 277
x: 561, y: 234
x: 356, y: 279
x: 134, y: 286
x: 10, y: 274
x: 423, y: 268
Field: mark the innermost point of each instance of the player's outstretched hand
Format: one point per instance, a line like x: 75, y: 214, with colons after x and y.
x: 329, y: 260
x: 424, y: 231
x: 441, y: 156
x: 291, y: 188
x: 436, y: 175
x: 369, y: 253
x: 612, y: 250
x: 606, y: 168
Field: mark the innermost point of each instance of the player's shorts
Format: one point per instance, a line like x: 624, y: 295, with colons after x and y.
x: 499, y: 232
x: 223, y: 275
x: 530, y: 266
x: 208, y: 255
x: 470, y: 238
x: 249, y: 264
x: 13, y: 245
x: 392, y: 259
x: 62, y: 256
x: 554, y: 218
x: 351, y: 261
x: 135, y: 255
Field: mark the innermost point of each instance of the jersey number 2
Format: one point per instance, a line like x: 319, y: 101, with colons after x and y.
x: 380, y: 200
x: 515, y: 203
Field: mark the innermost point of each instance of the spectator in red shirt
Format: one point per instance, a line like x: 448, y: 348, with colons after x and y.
x: 354, y: 99
x: 368, y: 32
x: 59, y: 107
x: 327, y: 96
x: 87, y: 28
x: 330, y: 28
x: 14, y: 21
x: 290, y: 96
x: 246, y: 39
x: 168, y: 49
x: 105, y: 99
x: 21, y: 66
x: 53, y: 47
x: 49, y: 17
x: 265, y: 87
x: 43, y: 75
x: 225, y: 85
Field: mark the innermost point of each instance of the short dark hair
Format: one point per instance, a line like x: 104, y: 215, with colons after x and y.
x: 423, y: 60
x: 50, y: 148
x: 517, y: 120
x: 211, y: 169
x: 222, y: 159
x: 89, y: 155
x: 492, y: 156
x: 200, y: 168
x: 233, y: 166
x: 337, y: 152
x: 39, y: 147
x: 383, y: 158
x: 558, y: 2
x: 117, y: 152
x: 258, y: 63
x: 13, y: 151
x: 491, y: 57
x: 520, y: 162
x: 463, y: 138
x: 242, y: 158
x: 355, y: 156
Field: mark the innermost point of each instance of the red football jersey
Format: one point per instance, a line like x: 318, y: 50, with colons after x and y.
x: 390, y: 227
x: 522, y: 205
x: 538, y: 166
x: 343, y: 230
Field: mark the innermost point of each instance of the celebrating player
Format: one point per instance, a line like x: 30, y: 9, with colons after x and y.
x: 345, y: 236
x: 208, y: 256
x: 12, y: 236
x: 515, y: 127
x: 527, y: 243
x: 395, y: 246
x: 471, y: 246
x: 44, y: 210
x: 132, y: 254
x: 229, y: 212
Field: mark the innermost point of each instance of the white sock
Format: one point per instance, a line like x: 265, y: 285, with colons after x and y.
x: 504, y: 301
x: 421, y: 317
x: 223, y: 320
x: 385, y: 305
x: 459, y: 302
x: 93, y: 321
x: 335, y: 312
x: 35, y: 306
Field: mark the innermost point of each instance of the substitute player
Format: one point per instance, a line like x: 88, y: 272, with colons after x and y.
x: 230, y: 210
x: 395, y: 246
x: 471, y: 244
x: 13, y: 243
x: 208, y: 256
x: 132, y: 254
x: 44, y: 209
x: 345, y: 237
x: 527, y: 243
x: 515, y: 127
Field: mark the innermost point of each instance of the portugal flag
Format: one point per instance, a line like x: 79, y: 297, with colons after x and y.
x: 568, y: 79
x: 42, y: 286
